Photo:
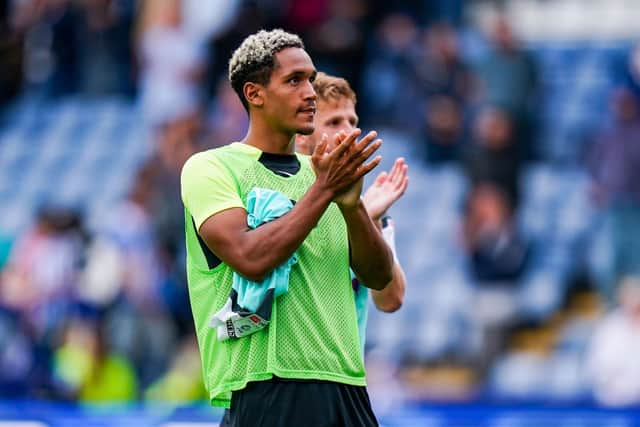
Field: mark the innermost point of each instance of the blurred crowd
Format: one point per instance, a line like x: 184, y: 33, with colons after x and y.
x: 103, y: 313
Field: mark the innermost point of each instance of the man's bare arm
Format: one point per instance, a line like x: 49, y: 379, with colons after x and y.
x: 371, y: 257
x: 391, y: 297
x: 384, y: 192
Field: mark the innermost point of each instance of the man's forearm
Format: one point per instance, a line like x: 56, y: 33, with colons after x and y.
x: 371, y: 258
x: 391, y: 297
x: 254, y: 253
x: 273, y: 243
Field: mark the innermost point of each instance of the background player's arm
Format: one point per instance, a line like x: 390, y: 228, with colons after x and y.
x: 391, y: 297
x: 386, y: 189
x: 254, y: 253
x: 371, y: 258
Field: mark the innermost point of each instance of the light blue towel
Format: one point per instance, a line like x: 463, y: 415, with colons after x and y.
x: 248, y: 308
x: 263, y: 206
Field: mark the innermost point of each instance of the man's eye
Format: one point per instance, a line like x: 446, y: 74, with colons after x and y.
x: 294, y: 80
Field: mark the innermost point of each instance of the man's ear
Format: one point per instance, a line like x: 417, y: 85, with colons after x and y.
x: 254, y: 94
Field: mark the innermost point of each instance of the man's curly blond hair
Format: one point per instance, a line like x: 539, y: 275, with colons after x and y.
x: 329, y: 87
x: 254, y: 60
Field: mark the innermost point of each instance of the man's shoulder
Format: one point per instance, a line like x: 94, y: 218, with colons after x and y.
x: 232, y: 149
x: 231, y: 154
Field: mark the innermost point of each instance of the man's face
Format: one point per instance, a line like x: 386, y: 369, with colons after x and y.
x: 332, y: 116
x: 289, y: 98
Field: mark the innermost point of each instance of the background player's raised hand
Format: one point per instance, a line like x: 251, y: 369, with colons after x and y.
x: 339, y: 165
x: 386, y: 189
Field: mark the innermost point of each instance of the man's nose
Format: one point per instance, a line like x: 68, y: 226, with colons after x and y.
x: 309, y: 92
x: 346, y: 126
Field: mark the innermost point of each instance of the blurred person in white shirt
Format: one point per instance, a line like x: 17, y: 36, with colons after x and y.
x: 171, y: 61
x: 612, y: 364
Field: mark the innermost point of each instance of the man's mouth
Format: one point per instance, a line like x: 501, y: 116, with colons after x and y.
x: 308, y: 110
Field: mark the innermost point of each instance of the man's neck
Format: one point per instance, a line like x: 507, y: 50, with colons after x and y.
x: 269, y: 140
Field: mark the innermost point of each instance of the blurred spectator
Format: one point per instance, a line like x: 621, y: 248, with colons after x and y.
x: 45, y: 262
x: 248, y: 18
x: 228, y: 120
x: 182, y: 383
x: 86, y: 368
x: 105, y: 43
x: 446, y: 82
x: 171, y: 64
x: 440, y: 68
x: 206, y: 20
x: 11, y: 55
x: 337, y: 42
x: 300, y: 15
x: 497, y: 255
x: 178, y: 143
x: 449, y: 11
x: 508, y: 79
x: 17, y: 361
x: 51, y: 44
x: 497, y: 252
x: 496, y: 249
x: 390, y: 90
x: 425, y: 12
x: 138, y: 311
x: 37, y: 288
x: 612, y: 363
x: 130, y: 230
x: 78, y: 45
x: 615, y: 165
x: 444, y: 130
x: 493, y: 156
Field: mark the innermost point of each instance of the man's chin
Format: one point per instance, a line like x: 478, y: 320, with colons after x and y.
x: 306, y: 130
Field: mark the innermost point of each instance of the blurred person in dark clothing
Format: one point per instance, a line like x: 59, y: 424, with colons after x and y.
x: 105, y: 41
x: 337, y: 44
x: 51, y: 43
x: 446, y: 82
x: 497, y: 257
x: 11, y: 55
x: 389, y: 82
x: 493, y: 157
x: 78, y: 46
x: 18, y: 378
x: 615, y: 165
x: 440, y: 67
x: 426, y: 12
x: 497, y: 251
x: 508, y: 78
x: 444, y: 130
x: 250, y: 17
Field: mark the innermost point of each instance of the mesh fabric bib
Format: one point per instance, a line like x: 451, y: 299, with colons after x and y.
x: 313, y: 332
